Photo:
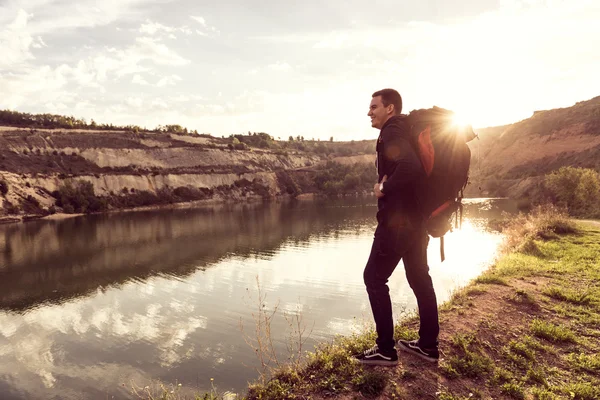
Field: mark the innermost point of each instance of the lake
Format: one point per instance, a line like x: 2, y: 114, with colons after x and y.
x: 91, y: 306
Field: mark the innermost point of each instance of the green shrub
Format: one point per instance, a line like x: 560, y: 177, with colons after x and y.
x: 79, y: 198
x: 577, y: 189
x: 334, y: 178
x: 542, y: 223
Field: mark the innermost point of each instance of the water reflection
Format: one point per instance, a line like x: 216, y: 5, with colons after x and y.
x: 90, y: 303
x: 74, y: 257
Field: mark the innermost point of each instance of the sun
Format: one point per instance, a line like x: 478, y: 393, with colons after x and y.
x: 461, y: 119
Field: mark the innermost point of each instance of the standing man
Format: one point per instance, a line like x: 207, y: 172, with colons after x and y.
x: 400, y: 234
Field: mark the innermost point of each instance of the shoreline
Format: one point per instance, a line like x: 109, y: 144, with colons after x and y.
x: 214, y: 202
x: 523, y: 329
x: 251, y: 199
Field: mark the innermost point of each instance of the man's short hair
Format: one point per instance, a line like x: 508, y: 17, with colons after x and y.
x: 390, y: 96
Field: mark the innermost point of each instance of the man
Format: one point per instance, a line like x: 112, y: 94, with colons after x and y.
x: 400, y: 234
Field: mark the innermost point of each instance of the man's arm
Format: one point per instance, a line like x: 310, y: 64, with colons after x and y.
x: 403, y: 166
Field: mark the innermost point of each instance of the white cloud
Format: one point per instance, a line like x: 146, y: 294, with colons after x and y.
x: 39, y: 43
x: 84, y: 14
x: 158, y: 103
x: 159, y: 53
x: 280, y: 66
x: 135, y: 102
x: 16, y: 41
x: 55, y: 107
x: 208, y: 30
x: 42, y: 85
x: 168, y: 80
x: 155, y: 28
x: 137, y: 79
x: 200, y: 20
x: 150, y: 28
x: 333, y: 41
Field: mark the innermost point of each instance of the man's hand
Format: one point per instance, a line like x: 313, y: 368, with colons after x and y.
x: 376, y: 190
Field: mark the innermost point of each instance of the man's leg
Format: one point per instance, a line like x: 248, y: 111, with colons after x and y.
x: 417, y: 274
x: 382, y: 262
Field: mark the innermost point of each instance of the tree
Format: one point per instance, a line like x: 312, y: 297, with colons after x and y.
x: 578, y: 189
x: 331, y: 139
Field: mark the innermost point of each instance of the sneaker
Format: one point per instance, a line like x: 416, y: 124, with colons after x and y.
x: 373, y: 356
x: 431, y: 355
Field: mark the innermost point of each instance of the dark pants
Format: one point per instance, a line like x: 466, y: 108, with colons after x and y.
x: 389, y: 246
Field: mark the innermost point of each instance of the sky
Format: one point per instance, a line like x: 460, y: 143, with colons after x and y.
x: 295, y: 68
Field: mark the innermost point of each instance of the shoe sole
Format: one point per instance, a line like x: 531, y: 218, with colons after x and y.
x: 423, y: 356
x: 379, y: 363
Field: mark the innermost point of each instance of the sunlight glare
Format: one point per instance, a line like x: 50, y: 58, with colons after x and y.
x: 461, y: 119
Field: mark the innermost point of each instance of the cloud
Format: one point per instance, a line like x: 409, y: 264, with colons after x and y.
x: 55, y: 108
x: 200, y: 20
x: 159, y: 103
x: 134, y: 102
x: 155, y: 28
x: 137, y: 79
x: 333, y: 41
x: 208, y: 30
x: 16, y: 41
x: 168, y: 80
x: 152, y: 49
x: 64, y: 16
x: 42, y: 85
x: 280, y: 66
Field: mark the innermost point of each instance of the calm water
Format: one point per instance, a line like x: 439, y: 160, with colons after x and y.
x: 91, y: 303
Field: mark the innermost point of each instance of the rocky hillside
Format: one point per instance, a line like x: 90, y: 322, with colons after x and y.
x: 510, y: 160
x: 41, y: 170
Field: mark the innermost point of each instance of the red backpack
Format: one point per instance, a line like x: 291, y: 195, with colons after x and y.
x: 441, y: 144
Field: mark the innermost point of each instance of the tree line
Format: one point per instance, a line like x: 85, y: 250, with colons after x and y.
x: 53, y: 121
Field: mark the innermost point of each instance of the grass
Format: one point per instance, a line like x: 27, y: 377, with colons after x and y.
x: 371, y: 384
x: 551, y: 332
x: 544, y: 222
x: 568, y: 295
x: 521, y: 296
x: 491, y: 279
x: 582, y: 391
x: 468, y: 361
x: 513, y: 390
x: 584, y: 362
x: 521, y: 349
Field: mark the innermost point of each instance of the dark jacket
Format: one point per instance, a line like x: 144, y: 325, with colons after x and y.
x: 397, y: 159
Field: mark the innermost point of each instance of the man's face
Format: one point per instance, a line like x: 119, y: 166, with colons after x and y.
x: 379, y: 113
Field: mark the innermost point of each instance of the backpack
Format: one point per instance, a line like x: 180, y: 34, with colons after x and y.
x: 441, y: 144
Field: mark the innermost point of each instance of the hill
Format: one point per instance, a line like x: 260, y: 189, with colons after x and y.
x: 510, y: 160
x: 85, y: 169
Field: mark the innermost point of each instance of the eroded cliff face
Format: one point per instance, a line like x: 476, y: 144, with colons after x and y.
x: 512, y: 160
x: 36, y: 163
